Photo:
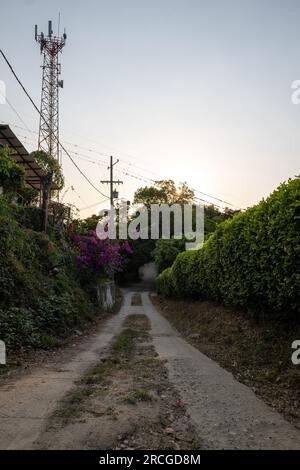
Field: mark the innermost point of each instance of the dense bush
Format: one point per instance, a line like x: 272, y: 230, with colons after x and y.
x: 40, y: 296
x: 165, y: 283
x: 165, y: 252
x: 251, y: 260
x: 11, y: 174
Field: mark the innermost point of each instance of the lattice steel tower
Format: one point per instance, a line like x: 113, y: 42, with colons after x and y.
x: 50, y: 46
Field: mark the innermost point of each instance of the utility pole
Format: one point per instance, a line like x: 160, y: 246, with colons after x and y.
x: 113, y: 193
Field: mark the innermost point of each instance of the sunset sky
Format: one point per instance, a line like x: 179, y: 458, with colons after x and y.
x: 193, y: 90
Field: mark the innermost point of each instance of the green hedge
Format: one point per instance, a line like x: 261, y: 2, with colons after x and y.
x: 251, y: 260
x: 166, y: 251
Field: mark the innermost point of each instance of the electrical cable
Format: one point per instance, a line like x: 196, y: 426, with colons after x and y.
x: 39, y: 112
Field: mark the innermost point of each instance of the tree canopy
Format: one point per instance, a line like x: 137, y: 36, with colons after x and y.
x: 50, y: 166
x: 164, y: 192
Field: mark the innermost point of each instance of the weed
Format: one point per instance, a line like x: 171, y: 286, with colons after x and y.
x: 138, y: 395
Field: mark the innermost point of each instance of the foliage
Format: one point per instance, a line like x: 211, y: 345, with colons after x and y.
x: 83, y: 226
x: 28, y: 196
x: 165, y: 283
x: 103, y: 258
x: 30, y: 217
x: 52, y: 175
x: 164, y: 192
x: 99, y: 258
x: 250, y: 261
x: 39, y: 291
x: 214, y: 216
x: 143, y: 250
x: 50, y: 166
x: 11, y: 173
x: 165, y: 252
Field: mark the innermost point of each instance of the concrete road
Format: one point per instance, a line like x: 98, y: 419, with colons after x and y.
x: 225, y: 413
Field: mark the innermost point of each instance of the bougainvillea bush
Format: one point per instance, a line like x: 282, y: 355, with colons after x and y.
x: 99, y: 259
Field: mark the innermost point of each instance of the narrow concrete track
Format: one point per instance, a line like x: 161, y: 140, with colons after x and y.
x: 225, y: 413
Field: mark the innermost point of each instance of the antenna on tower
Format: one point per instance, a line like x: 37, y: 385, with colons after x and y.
x: 50, y: 46
x: 58, y: 27
x: 50, y: 32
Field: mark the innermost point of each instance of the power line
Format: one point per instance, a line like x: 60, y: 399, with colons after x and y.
x: 92, y: 205
x: 20, y: 83
x: 102, y: 163
x: 124, y: 172
x: 39, y: 112
x: 14, y: 110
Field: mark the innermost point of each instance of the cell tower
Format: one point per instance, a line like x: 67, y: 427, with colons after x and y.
x: 50, y: 46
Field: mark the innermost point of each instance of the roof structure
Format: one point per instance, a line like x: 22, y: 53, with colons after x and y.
x: 33, y: 172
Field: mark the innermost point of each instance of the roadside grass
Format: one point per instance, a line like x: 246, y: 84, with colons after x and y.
x: 72, y: 405
x: 98, y: 376
x: 100, y: 372
x: 124, y: 401
x: 138, y: 395
x: 125, y: 342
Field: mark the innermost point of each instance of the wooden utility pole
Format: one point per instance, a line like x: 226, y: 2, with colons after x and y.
x: 111, y: 182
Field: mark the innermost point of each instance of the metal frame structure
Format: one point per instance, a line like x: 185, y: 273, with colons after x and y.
x: 33, y: 172
x: 50, y: 46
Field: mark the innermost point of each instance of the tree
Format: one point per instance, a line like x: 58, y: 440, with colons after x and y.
x: 52, y: 176
x: 11, y: 173
x: 164, y: 192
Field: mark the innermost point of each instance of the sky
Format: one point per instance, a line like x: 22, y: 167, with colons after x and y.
x: 192, y: 90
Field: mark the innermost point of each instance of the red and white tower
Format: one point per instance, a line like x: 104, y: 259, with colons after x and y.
x: 50, y: 46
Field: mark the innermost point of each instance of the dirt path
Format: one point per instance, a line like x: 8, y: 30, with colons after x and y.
x: 26, y: 402
x: 71, y: 405
x: 124, y: 402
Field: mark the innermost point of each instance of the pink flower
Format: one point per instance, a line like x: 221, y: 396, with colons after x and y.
x: 127, y: 247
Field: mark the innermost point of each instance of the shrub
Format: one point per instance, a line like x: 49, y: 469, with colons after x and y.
x: 11, y: 173
x: 165, y: 252
x: 164, y: 283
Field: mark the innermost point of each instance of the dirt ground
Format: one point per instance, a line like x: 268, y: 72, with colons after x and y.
x: 257, y: 353
x: 124, y: 402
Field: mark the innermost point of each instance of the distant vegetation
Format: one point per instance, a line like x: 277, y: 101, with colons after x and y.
x: 163, y: 252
